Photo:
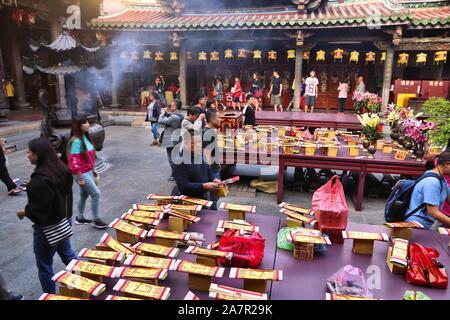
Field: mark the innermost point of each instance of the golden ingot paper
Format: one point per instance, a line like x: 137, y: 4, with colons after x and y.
x: 334, y: 296
x: 126, y: 227
x: 195, y: 268
x: 444, y: 231
x: 111, y: 297
x: 237, y: 207
x: 148, y: 262
x: 115, y: 245
x: 300, y: 238
x: 255, y: 274
x: 365, y: 235
x: 225, y: 296
x: 83, y: 284
x: 169, y: 235
x: 209, y: 253
x: 298, y: 216
x: 399, y: 253
x: 142, y: 289
x: 184, y: 207
x: 49, y: 296
x: 235, y: 225
x: 295, y: 208
x: 91, y: 268
x: 191, y: 296
x: 237, y: 293
x: 141, y: 273
x: 201, y: 202
x: 157, y: 249
x: 148, y: 207
x: 147, y: 214
x: 157, y: 197
x: 183, y: 216
x: 101, y: 255
x: 144, y: 220
x: 412, y: 224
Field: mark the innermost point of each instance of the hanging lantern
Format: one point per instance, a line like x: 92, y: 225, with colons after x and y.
x: 189, y: 56
x: 306, y: 55
x: 242, y: 54
x: 124, y: 55
x: 159, y: 56
x: 257, y: 55
x: 370, y: 57
x: 338, y: 54
x: 383, y: 56
x: 354, y: 56
x: 31, y: 19
x: 403, y: 58
x: 421, y: 58
x: 272, y: 55
x: 291, y: 54
x: 135, y: 55
x: 173, y: 56
x: 202, y: 56
x: 320, y: 55
x: 214, y: 56
x: 440, y: 56
x: 228, y: 54
x: 147, y: 55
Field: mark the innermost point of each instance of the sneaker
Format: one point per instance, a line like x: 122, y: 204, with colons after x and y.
x: 82, y: 221
x: 99, y: 224
x: 18, y: 297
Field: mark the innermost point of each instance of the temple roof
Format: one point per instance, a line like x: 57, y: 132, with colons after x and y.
x: 358, y: 13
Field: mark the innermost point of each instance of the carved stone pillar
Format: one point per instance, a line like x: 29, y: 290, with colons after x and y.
x: 298, y: 70
x: 387, y: 76
x: 183, y: 77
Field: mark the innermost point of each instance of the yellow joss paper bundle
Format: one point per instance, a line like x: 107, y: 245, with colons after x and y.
x: 365, y: 235
x: 156, y: 249
x: 235, y: 225
x: 399, y: 255
x: 111, y: 297
x: 148, y: 207
x: 125, y: 227
x: 195, y: 268
x: 101, y: 255
x: 144, y: 220
x: 92, y: 268
x: 49, y: 296
x: 237, y: 207
x: 157, y: 197
x: 236, y: 293
x: 184, y: 216
x: 149, y: 262
x: 142, y: 289
x: 209, y: 253
x: 334, y: 296
x: 184, y: 207
x: 295, y: 208
x: 202, y: 202
x: 83, y: 284
x: 141, y: 273
x: 298, y: 216
x: 169, y: 235
x: 147, y: 214
x: 412, y: 224
x: 112, y: 243
x: 255, y: 274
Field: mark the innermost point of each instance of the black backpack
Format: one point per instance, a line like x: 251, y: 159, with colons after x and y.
x: 398, y: 201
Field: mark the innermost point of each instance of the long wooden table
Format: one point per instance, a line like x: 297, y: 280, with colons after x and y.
x: 313, y: 120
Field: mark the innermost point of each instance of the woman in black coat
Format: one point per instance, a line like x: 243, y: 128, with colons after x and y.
x: 49, y: 202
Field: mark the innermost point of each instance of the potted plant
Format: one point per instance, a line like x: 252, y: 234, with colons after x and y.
x: 438, y: 110
x: 370, y: 125
x: 366, y: 102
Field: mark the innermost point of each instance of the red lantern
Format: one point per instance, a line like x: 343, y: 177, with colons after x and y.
x: 31, y: 19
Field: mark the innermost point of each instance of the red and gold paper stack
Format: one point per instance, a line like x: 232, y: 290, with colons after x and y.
x: 334, y: 296
x: 296, y: 208
x: 195, y: 268
x: 191, y: 209
x: 111, y: 297
x: 110, y: 256
x: 142, y: 290
x: 149, y: 262
x: 403, y: 229
x: 182, y: 215
x: 49, y: 296
x: 141, y: 273
x: 254, y: 279
x: 148, y: 207
x: 147, y: 214
x: 115, y: 245
x: 147, y: 221
x: 201, y: 202
x: 125, y: 227
x: 169, y: 235
x: 242, y: 226
x: 88, y: 268
x: 363, y: 242
x: 156, y: 250
x: 296, y: 219
x: 80, y: 284
x: 161, y: 199
x: 397, y: 259
x: 209, y: 253
x: 304, y: 241
x: 221, y: 292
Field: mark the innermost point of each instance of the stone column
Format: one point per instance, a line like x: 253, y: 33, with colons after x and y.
x: 16, y: 64
x: 298, y: 77
x: 4, y: 106
x: 55, y: 31
x: 114, y: 100
x: 387, y: 76
x: 183, y: 77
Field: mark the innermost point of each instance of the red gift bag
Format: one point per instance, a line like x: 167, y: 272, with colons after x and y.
x: 424, y: 269
x: 330, y: 206
x: 248, y: 250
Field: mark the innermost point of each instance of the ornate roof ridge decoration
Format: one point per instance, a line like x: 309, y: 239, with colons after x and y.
x: 64, y: 42
x: 265, y: 10
x: 148, y: 4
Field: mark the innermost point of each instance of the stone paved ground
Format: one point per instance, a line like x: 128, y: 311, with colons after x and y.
x: 136, y: 169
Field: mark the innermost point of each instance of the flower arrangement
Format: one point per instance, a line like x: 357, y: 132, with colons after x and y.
x: 366, y: 102
x: 417, y: 130
x: 370, y: 124
x: 392, y: 115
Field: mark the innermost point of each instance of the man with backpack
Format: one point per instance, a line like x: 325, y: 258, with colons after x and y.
x: 422, y: 201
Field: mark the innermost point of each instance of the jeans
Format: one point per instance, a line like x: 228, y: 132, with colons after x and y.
x: 44, y: 258
x: 155, y: 126
x: 4, y: 175
x: 342, y: 104
x: 89, y: 189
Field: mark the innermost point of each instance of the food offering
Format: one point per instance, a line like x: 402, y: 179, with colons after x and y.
x: 403, y: 230
x: 200, y: 276
x: 149, y: 262
x: 158, y: 215
x: 237, y: 211
x: 363, y: 242
x: 255, y: 279
x: 92, y: 270
x: 397, y: 257
x: 242, y: 226
x: 77, y: 286
x: 156, y: 250
x: 115, y: 245
x: 196, y: 201
x: 142, y: 290
x: 221, y: 292
x: 49, y: 296
x: 108, y: 256
x: 127, y: 232
x: 147, y: 221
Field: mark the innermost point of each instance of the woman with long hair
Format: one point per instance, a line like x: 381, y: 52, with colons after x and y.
x: 153, y: 113
x: 81, y: 156
x: 49, y: 207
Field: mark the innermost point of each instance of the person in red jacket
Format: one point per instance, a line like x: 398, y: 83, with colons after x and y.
x: 236, y: 91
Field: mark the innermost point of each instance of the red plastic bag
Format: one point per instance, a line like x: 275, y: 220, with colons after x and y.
x: 330, y: 206
x: 248, y: 250
x: 424, y: 269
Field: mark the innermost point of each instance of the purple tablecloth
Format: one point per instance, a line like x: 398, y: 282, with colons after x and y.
x: 306, y: 280
x: 178, y: 281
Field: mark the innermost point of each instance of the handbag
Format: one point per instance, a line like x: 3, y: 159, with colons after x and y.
x: 258, y: 93
x: 247, y: 249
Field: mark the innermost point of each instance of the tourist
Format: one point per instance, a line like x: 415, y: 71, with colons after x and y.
x: 153, y: 113
x: 276, y: 89
x: 302, y: 95
x: 145, y: 94
x: 160, y: 88
x: 82, y: 163
x: 202, y: 100
x: 5, y: 294
x: 432, y: 193
x: 311, y: 90
x: 171, y: 120
x: 10, y: 93
x: 360, y: 86
x: 249, y: 110
x: 209, y: 139
x: 236, y: 91
x: 49, y: 206
x: 342, y: 96
x: 194, y: 176
x: 193, y: 121
x: 218, y: 94
x: 13, y: 189
x: 257, y: 89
